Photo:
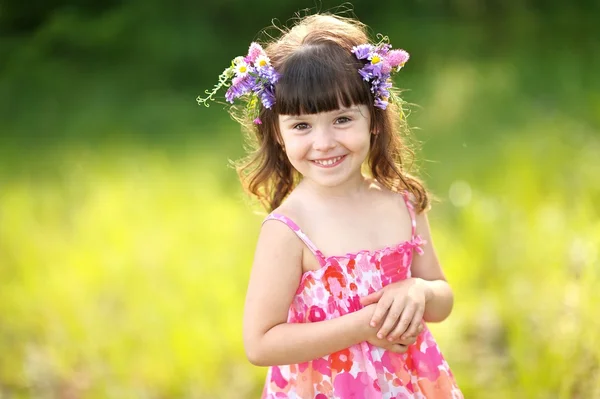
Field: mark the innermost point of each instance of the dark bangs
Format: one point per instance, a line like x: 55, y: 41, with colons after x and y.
x: 320, y: 78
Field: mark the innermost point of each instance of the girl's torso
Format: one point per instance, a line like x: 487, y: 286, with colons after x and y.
x: 332, y: 288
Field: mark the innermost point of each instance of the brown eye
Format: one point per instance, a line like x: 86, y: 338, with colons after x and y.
x: 342, y: 120
x: 301, y: 126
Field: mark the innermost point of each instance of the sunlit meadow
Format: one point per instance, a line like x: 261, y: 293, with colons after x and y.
x: 124, y: 271
x: 123, y: 266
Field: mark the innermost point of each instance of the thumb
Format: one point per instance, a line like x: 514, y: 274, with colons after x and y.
x: 371, y: 298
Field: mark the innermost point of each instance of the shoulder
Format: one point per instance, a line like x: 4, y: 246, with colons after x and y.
x: 397, y: 199
x: 281, y: 227
x: 291, y: 211
x: 277, y: 244
x: 381, y: 191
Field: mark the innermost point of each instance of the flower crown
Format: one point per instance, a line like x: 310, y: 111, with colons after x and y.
x: 378, y: 72
x: 253, y: 74
x: 250, y: 74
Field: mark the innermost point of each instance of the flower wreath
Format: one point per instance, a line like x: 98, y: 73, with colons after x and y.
x: 254, y: 75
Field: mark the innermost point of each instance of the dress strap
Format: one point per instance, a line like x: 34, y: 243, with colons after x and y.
x: 411, y: 211
x: 294, y: 227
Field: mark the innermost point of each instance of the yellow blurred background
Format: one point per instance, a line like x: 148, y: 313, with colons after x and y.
x: 126, y: 241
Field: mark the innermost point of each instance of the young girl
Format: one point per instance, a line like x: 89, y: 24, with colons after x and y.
x: 336, y: 303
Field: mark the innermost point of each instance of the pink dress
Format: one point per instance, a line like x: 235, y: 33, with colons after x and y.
x: 361, y: 371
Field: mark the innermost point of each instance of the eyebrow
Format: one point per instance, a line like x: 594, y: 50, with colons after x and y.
x: 351, y: 109
x: 289, y: 118
x: 340, y: 111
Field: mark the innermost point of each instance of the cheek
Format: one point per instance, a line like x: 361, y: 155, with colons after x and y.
x: 359, y: 143
x: 296, y: 148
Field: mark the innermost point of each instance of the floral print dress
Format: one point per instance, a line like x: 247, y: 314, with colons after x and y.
x: 361, y: 371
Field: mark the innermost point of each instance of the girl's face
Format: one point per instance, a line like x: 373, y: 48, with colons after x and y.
x: 329, y: 147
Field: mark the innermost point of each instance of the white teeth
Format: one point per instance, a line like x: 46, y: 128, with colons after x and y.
x: 328, y: 162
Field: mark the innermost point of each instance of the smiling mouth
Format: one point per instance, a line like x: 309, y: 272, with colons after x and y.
x: 330, y: 162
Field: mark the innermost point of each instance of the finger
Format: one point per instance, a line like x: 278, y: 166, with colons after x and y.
x: 412, y: 329
x: 406, y: 341
x: 391, y: 319
x: 405, y: 320
x: 371, y: 298
x: 420, y: 329
x: 398, y: 348
x: 380, y: 310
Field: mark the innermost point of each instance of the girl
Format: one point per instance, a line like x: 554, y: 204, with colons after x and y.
x: 336, y: 303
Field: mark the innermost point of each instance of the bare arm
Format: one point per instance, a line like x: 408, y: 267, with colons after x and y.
x: 438, y: 294
x: 268, y: 338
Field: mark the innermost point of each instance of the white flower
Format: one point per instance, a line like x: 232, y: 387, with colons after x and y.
x: 374, y: 58
x: 262, y: 61
x: 241, y: 68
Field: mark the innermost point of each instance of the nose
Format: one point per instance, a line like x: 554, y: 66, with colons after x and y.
x: 324, y: 140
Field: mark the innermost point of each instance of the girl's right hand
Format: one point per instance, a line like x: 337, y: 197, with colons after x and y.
x: 396, y: 346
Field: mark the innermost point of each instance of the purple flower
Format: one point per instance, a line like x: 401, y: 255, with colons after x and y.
x: 269, y: 74
x: 253, y: 74
x: 257, y: 121
x: 378, y: 71
x: 366, y: 75
x: 362, y: 51
x: 239, y: 87
x: 370, y: 71
x: 375, y: 68
x: 260, y: 80
x: 267, y: 96
x: 379, y: 103
x: 381, y: 86
x: 384, y: 48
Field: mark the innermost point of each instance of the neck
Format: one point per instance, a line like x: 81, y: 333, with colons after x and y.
x: 349, y: 190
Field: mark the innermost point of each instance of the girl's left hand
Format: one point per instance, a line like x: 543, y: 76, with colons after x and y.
x: 404, y: 302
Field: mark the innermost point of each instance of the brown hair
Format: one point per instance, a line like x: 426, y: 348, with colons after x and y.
x: 318, y: 74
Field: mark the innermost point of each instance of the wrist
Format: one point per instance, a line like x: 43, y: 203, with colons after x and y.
x: 364, y: 327
x: 427, y: 290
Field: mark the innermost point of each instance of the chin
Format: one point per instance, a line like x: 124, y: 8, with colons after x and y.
x: 333, y: 181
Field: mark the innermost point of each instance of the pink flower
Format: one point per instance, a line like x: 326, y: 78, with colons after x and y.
x: 386, y: 68
x: 322, y: 366
x: 397, y: 57
x: 254, y: 52
x: 335, y: 287
x: 316, y: 314
x: 353, y: 303
x: 277, y: 377
x: 392, y: 361
x: 347, y: 386
x: 427, y: 363
x: 395, y: 265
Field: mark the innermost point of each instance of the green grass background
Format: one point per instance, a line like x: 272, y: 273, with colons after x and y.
x: 126, y: 242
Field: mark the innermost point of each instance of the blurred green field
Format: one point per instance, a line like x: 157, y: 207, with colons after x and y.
x: 126, y: 243
x: 124, y: 275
